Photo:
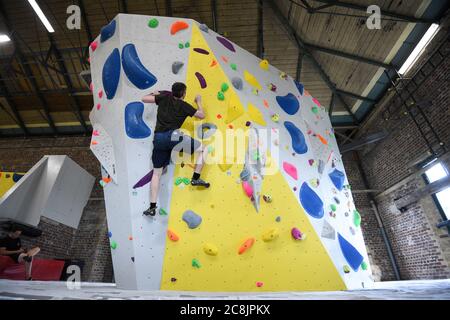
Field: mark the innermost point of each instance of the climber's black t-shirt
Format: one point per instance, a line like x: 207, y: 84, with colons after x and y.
x: 171, y: 112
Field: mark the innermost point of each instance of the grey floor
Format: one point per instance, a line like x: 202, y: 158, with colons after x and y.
x: 406, y: 290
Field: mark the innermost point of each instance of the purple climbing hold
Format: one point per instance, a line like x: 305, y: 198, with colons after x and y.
x: 289, y: 104
x: 201, y: 80
x: 144, y: 181
x: 135, y: 126
x: 311, y: 202
x: 226, y: 43
x: 201, y: 51
x: 298, y: 139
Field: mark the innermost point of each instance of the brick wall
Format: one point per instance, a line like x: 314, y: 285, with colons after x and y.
x: 89, y: 243
x: 422, y: 251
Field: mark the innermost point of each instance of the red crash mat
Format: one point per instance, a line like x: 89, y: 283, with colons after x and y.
x: 42, y: 270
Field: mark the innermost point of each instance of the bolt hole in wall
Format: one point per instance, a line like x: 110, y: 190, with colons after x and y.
x: 435, y: 173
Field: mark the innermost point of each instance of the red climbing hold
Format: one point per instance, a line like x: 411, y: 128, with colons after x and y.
x: 100, y: 94
x: 99, y: 106
x: 94, y: 46
x: 219, y: 116
x: 259, y: 284
x: 178, y: 26
x: 224, y: 59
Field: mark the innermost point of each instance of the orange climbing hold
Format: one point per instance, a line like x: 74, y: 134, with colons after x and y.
x: 106, y: 180
x: 266, y: 104
x: 224, y: 59
x: 178, y: 26
x: 94, y: 143
x: 172, y: 236
x: 213, y: 63
x: 322, y: 139
x: 246, y: 245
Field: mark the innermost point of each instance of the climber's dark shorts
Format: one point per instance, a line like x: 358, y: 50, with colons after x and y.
x: 166, y: 142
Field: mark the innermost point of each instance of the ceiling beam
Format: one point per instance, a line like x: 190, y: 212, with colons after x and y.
x: 332, y: 102
x: 356, y: 96
x: 4, y: 91
x: 260, y: 44
x: 28, y: 72
x: 214, y: 15
x: 349, y: 56
x: 87, y: 27
x: 169, y: 8
x: 302, y: 47
x: 362, y: 8
x: 124, y: 6
x: 68, y: 80
x: 298, y: 74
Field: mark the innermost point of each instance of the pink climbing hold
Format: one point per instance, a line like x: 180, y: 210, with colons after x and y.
x: 297, y: 234
x: 91, y: 87
x: 290, y: 170
x: 94, y: 46
x: 100, y: 94
x: 247, y: 189
x: 259, y: 284
x: 95, y: 133
x: 316, y: 102
x: 99, y: 106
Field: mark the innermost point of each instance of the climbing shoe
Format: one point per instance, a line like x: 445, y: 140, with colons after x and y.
x: 150, y: 212
x: 199, y: 183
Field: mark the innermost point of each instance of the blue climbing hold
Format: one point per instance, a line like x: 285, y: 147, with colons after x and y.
x: 300, y: 87
x: 353, y: 257
x: 135, y: 70
x: 109, y: 234
x: 289, y: 104
x: 298, y: 139
x: 134, y: 124
x: 108, y: 31
x: 311, y: 202
x: 16, y: 177
x: 338, y: 179
x: 111, y: 74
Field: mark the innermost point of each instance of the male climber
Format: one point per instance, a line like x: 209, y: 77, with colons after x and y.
x: 11, y: 246
x: 172, y: 112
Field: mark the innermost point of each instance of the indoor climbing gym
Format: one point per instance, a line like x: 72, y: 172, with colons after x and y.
x: 247, y: 151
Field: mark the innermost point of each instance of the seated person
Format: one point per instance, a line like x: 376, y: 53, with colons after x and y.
x: 11, y: 246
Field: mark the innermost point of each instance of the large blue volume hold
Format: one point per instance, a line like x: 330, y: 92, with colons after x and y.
x: 300, y: 87
x: 289, y: 104
x: 298, y: 139
x: 134, y: 124
x: 353, y: 257
x: 135, y: 70
x: 111, y: 74
x: 338, y: 179
x: 108, y: 31
x: 311, y: 202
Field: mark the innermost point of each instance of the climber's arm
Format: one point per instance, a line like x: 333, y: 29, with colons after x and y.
x: 200, y: 114
x: 150, y: 98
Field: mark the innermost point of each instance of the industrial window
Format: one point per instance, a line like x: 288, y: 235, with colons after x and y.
x: 435, y: 173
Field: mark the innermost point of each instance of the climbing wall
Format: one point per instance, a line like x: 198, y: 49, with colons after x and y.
x: 7, y: 180
x: 279, y: 214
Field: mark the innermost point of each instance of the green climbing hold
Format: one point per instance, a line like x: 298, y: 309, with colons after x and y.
x: 186, y: 181
x: 225, y: 87
x: 333, y: 207
x: 196, y: 264
x: 162, y: 212
x: 315, y: 110
x: 364, y: 265
x: 221, y: 96
x: 178, y: 181
x: 346, y: 269
x: 356, y: 218
x: 180, y: 45
x: 153, y: 23
x: 233, y: 66
x: 210, y: 149
x: 113, y: 245
x: 187, y: 45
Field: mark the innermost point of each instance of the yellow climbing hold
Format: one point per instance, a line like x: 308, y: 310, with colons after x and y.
x: 264, y: 64
x: 251, y: 80
x: 271, y: 235
x: 256, y: 115
x: 235, y: 109
x: 210, y: 249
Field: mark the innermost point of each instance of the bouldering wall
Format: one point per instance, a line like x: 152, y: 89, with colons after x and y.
x: 279, y: 215
x: 8, y: 180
